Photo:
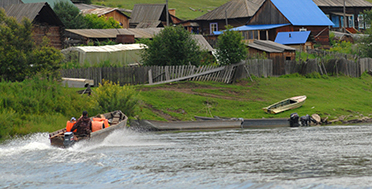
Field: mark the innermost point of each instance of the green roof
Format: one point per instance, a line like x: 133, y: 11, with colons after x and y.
x: 50, y: 2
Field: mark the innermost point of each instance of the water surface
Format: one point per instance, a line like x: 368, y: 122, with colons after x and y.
x: 311, y: 157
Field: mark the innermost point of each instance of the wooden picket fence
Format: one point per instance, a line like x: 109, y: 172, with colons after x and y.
x: 226, y: 74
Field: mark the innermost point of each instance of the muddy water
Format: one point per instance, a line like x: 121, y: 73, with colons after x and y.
x: 313, y: 157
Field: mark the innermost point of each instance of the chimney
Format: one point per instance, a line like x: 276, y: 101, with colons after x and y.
x: 172, y: 12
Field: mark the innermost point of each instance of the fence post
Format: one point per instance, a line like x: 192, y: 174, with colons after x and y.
x: 150, y: 76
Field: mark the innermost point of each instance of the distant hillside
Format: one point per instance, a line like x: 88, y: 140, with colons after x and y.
x: 185, y: 9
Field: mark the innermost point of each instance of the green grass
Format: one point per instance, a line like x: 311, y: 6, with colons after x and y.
x: 330, y: 98
x: 182, y: 7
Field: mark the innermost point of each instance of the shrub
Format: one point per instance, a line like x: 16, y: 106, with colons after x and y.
x: 110, y: 97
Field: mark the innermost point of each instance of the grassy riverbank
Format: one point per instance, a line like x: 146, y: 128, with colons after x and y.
x: 43, y: 106
x: 330, y: 97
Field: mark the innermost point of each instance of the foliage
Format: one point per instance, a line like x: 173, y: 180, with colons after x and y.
x: 95, y: 22
x: 110, y: 97
x: 20, y: 57
x: 46, y: 60
x: 207, y: 58
x: 69, y: 15
x: 101, y: 43
x: 37, y: 104
x: 343, y: 47
x: 230, y: 47
x: 16, y: 45
x: 171, y: 46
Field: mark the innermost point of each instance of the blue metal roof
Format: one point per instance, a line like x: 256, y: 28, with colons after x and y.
x: 253, y: 27
x: 288, y: 38
x: 258, y: 27
x: 302, y: 12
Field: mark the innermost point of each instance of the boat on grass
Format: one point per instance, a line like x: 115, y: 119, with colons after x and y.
x: 286, y: 104
x: 116, y: 120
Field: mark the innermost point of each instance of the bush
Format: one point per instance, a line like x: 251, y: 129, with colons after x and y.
x: 110, y: 97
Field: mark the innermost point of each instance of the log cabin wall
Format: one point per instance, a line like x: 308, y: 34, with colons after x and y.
x: 53, y: 33
x: 205, y: 24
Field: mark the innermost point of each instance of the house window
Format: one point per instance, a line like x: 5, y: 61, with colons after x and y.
x: 360, y: 21
x: 213, y: 27
x: 245, y: 35
x: 336, y: 21
x: 351, y: 21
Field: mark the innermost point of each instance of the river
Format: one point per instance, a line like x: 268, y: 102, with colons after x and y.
x: 311, y: 157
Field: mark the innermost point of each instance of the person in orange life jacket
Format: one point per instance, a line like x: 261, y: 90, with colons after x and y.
x: 83, y: 125
x: 70, y: 124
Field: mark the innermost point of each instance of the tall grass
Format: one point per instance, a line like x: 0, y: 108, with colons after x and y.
x: 36, y: 105
x: 42, y: 105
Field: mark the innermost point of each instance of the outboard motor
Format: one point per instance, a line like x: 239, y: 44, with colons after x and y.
x: 293, y: 120
x: 68, y: 139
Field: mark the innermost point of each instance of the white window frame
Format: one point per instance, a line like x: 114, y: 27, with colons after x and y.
x: 360, y: 21
x: 351, y: 21
x: 213, y: 27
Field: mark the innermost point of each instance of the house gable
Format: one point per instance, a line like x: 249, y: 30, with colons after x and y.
x: 45, y: 22
x: 298, y: 13
x: 148, y: 12
x: 268, y: 14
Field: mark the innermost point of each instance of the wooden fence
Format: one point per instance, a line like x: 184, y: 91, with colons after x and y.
x: 331, y: 67
x: 226, y: 74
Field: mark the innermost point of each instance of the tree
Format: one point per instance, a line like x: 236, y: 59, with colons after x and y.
x: 95, y: 22
x: 230, y: 47
x: 171, y: 46
x: 20, y: 57
x: 69, y: 15
x: 15, y: 46
x: 365, y: 47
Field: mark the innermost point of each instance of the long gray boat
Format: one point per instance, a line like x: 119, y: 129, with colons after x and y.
x: 151, y: 125
x: 252, y: 123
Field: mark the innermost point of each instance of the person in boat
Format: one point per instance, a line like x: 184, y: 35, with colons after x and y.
x: 83, y: 125
x: 70, y: 124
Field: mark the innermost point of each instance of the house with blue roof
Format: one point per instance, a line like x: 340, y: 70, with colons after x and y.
x: 299, y: 40
x: 276, y: 16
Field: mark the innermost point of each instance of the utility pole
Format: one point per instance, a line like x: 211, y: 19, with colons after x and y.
x: 345, y: 16
x: 166, y: 7
x: 226, y: 18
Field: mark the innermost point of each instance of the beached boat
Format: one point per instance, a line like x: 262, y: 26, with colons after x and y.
x: 117, y: 120
x: 287, y: 104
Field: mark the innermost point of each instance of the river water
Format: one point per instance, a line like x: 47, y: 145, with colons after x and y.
x: 311, y: 157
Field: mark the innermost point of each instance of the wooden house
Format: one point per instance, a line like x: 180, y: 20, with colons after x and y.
x: 277, y: 52
x: 107, y: 12
x: 354, y: 9
x: 152, y: 16
x: 45, y: 22
x: 300, y: 40
x: 286, y: 16
x: 234, y: 13
x: 5, y: 3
